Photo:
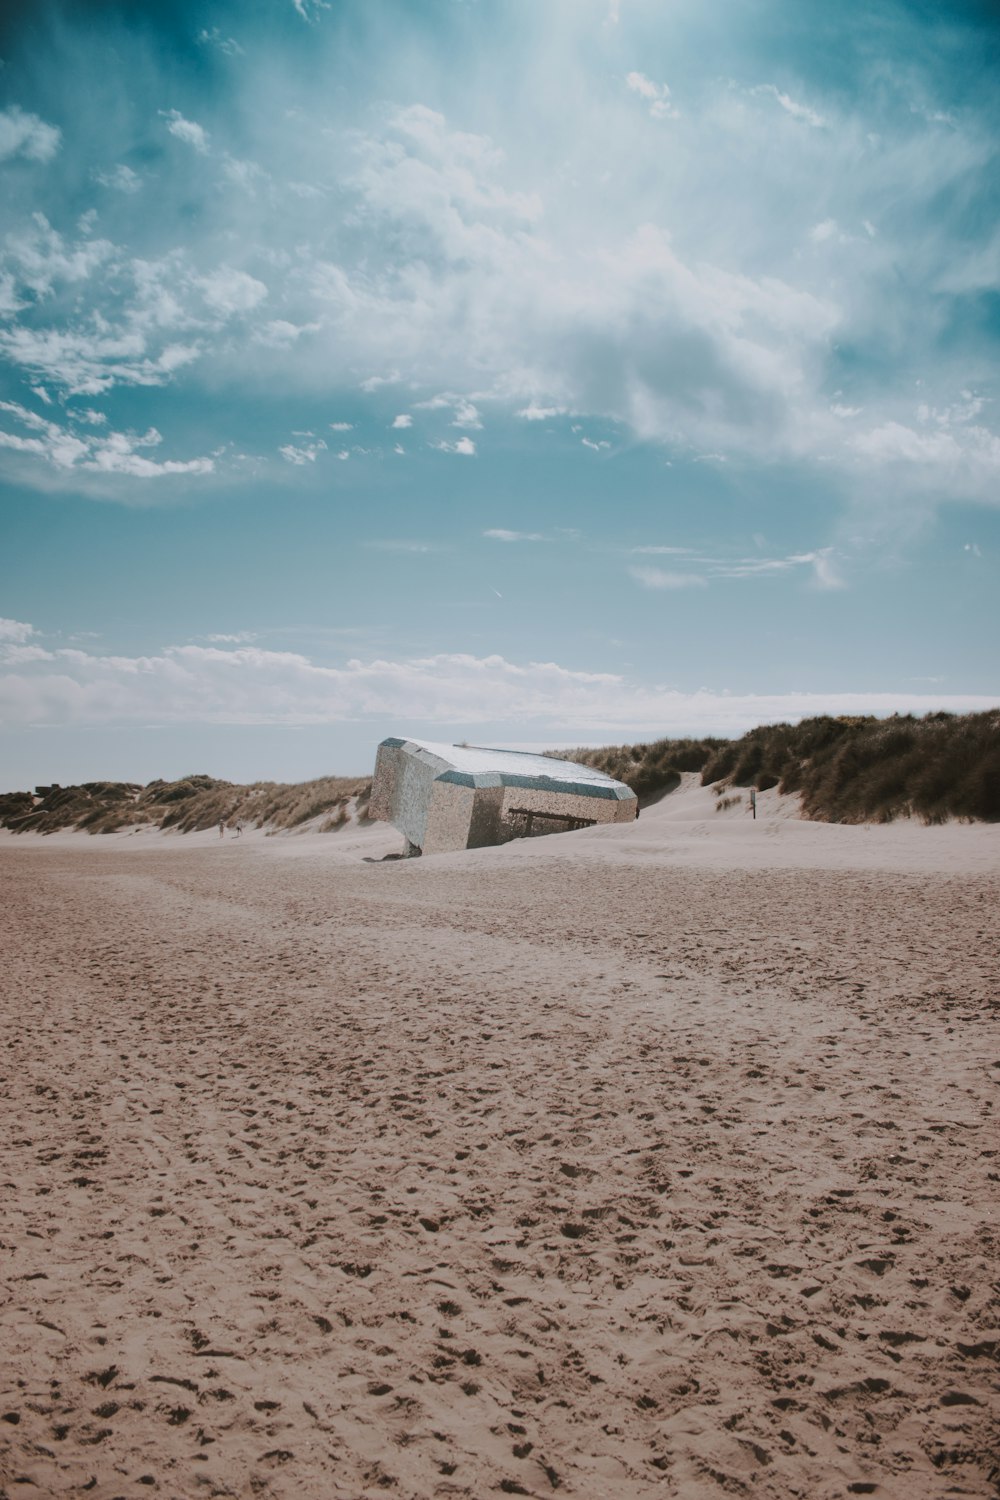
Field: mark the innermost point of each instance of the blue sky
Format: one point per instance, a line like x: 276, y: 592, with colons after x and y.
x: 530, y: 373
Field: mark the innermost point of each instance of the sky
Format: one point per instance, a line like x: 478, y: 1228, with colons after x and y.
x: 524, y: 373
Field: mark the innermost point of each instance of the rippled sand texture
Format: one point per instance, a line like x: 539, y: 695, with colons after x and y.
x: 552, y: 1169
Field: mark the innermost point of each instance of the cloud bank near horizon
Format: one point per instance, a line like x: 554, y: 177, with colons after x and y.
x: 53, y: 686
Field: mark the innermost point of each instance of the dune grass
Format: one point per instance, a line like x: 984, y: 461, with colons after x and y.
x: 194, y: 802
x: 846, y: 770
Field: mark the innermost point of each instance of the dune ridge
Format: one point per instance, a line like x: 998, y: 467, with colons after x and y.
x: 840, y: 770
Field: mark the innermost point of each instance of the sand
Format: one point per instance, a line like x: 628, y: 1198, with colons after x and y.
x: 657, y: 1160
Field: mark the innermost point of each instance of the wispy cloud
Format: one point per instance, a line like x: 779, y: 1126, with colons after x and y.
x: 401, y: 544
x: 307, y: 453
x: 121, y: 178
x: 463, y: 445
x: 227, y: 45
x: 466, y: 415
x: 661, y: 551
x: 310, y: 10
x: 657, y: 95
x: 24, y: 134
x: 800, y: 112
x: 74, y: 449
x: 188, y: 131
x: 499, y: 534
x: 376, y: 382
x: 821, y: 564
x: 657, y: 578
x: 228, y: 291
x: 535, y: 413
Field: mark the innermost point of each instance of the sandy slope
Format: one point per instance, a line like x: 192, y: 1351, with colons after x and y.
x: 649, y: 1160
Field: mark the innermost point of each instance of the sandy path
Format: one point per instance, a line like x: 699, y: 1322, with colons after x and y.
x: 536, y: 1169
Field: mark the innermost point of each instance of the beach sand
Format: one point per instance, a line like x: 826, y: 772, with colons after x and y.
x: 648, y: 1160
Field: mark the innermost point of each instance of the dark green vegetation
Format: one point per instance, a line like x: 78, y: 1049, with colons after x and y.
x: 191, y: 803
x: 846, y: 770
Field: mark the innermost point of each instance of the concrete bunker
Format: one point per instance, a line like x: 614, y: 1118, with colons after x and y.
x: 443, y: 797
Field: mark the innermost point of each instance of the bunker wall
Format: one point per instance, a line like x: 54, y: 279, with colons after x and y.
x: 448, y: 817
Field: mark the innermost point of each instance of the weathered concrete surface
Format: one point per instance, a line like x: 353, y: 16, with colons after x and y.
x: 444, y: 797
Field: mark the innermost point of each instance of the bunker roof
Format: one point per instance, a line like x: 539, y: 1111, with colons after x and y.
x: 478, y: 765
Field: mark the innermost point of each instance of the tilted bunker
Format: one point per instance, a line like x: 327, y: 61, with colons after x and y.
x: 444, y: 797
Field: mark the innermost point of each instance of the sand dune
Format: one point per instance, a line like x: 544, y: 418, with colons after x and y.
x: 647, y: 1160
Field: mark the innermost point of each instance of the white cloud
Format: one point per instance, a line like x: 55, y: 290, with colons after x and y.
x: 825, y: 569
x: 24, y: 134
x: 601, y: 444
x: 307, y: 190
x: 21, y: 655
x: 278, y: 333
x: 400, y: 544
x: 656, y: 578
x: 237, y: 638
x: 228, y: 291
x: 403, y: 420
x: 310, y: 10
x: 225, y: 44
x: 965, y: 457
x: 800, y: 112
x: 341, y: 426
x: 657, y: 96
x: 466, y: 415
x: 823, y: 231
x: 821, y: 563
x: 534, y: 413
x: 17, y: 631
x: 188, y: 131
x: 247, y: 175
x: 375, y: 382
x: 90, y: 363
x: 43, y: 260
x: 306, y: 454
x: 104, y: 453
x: 463, y: 445
x: 218, y: 684
x: 498, y: 534
x: 121, y: 178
